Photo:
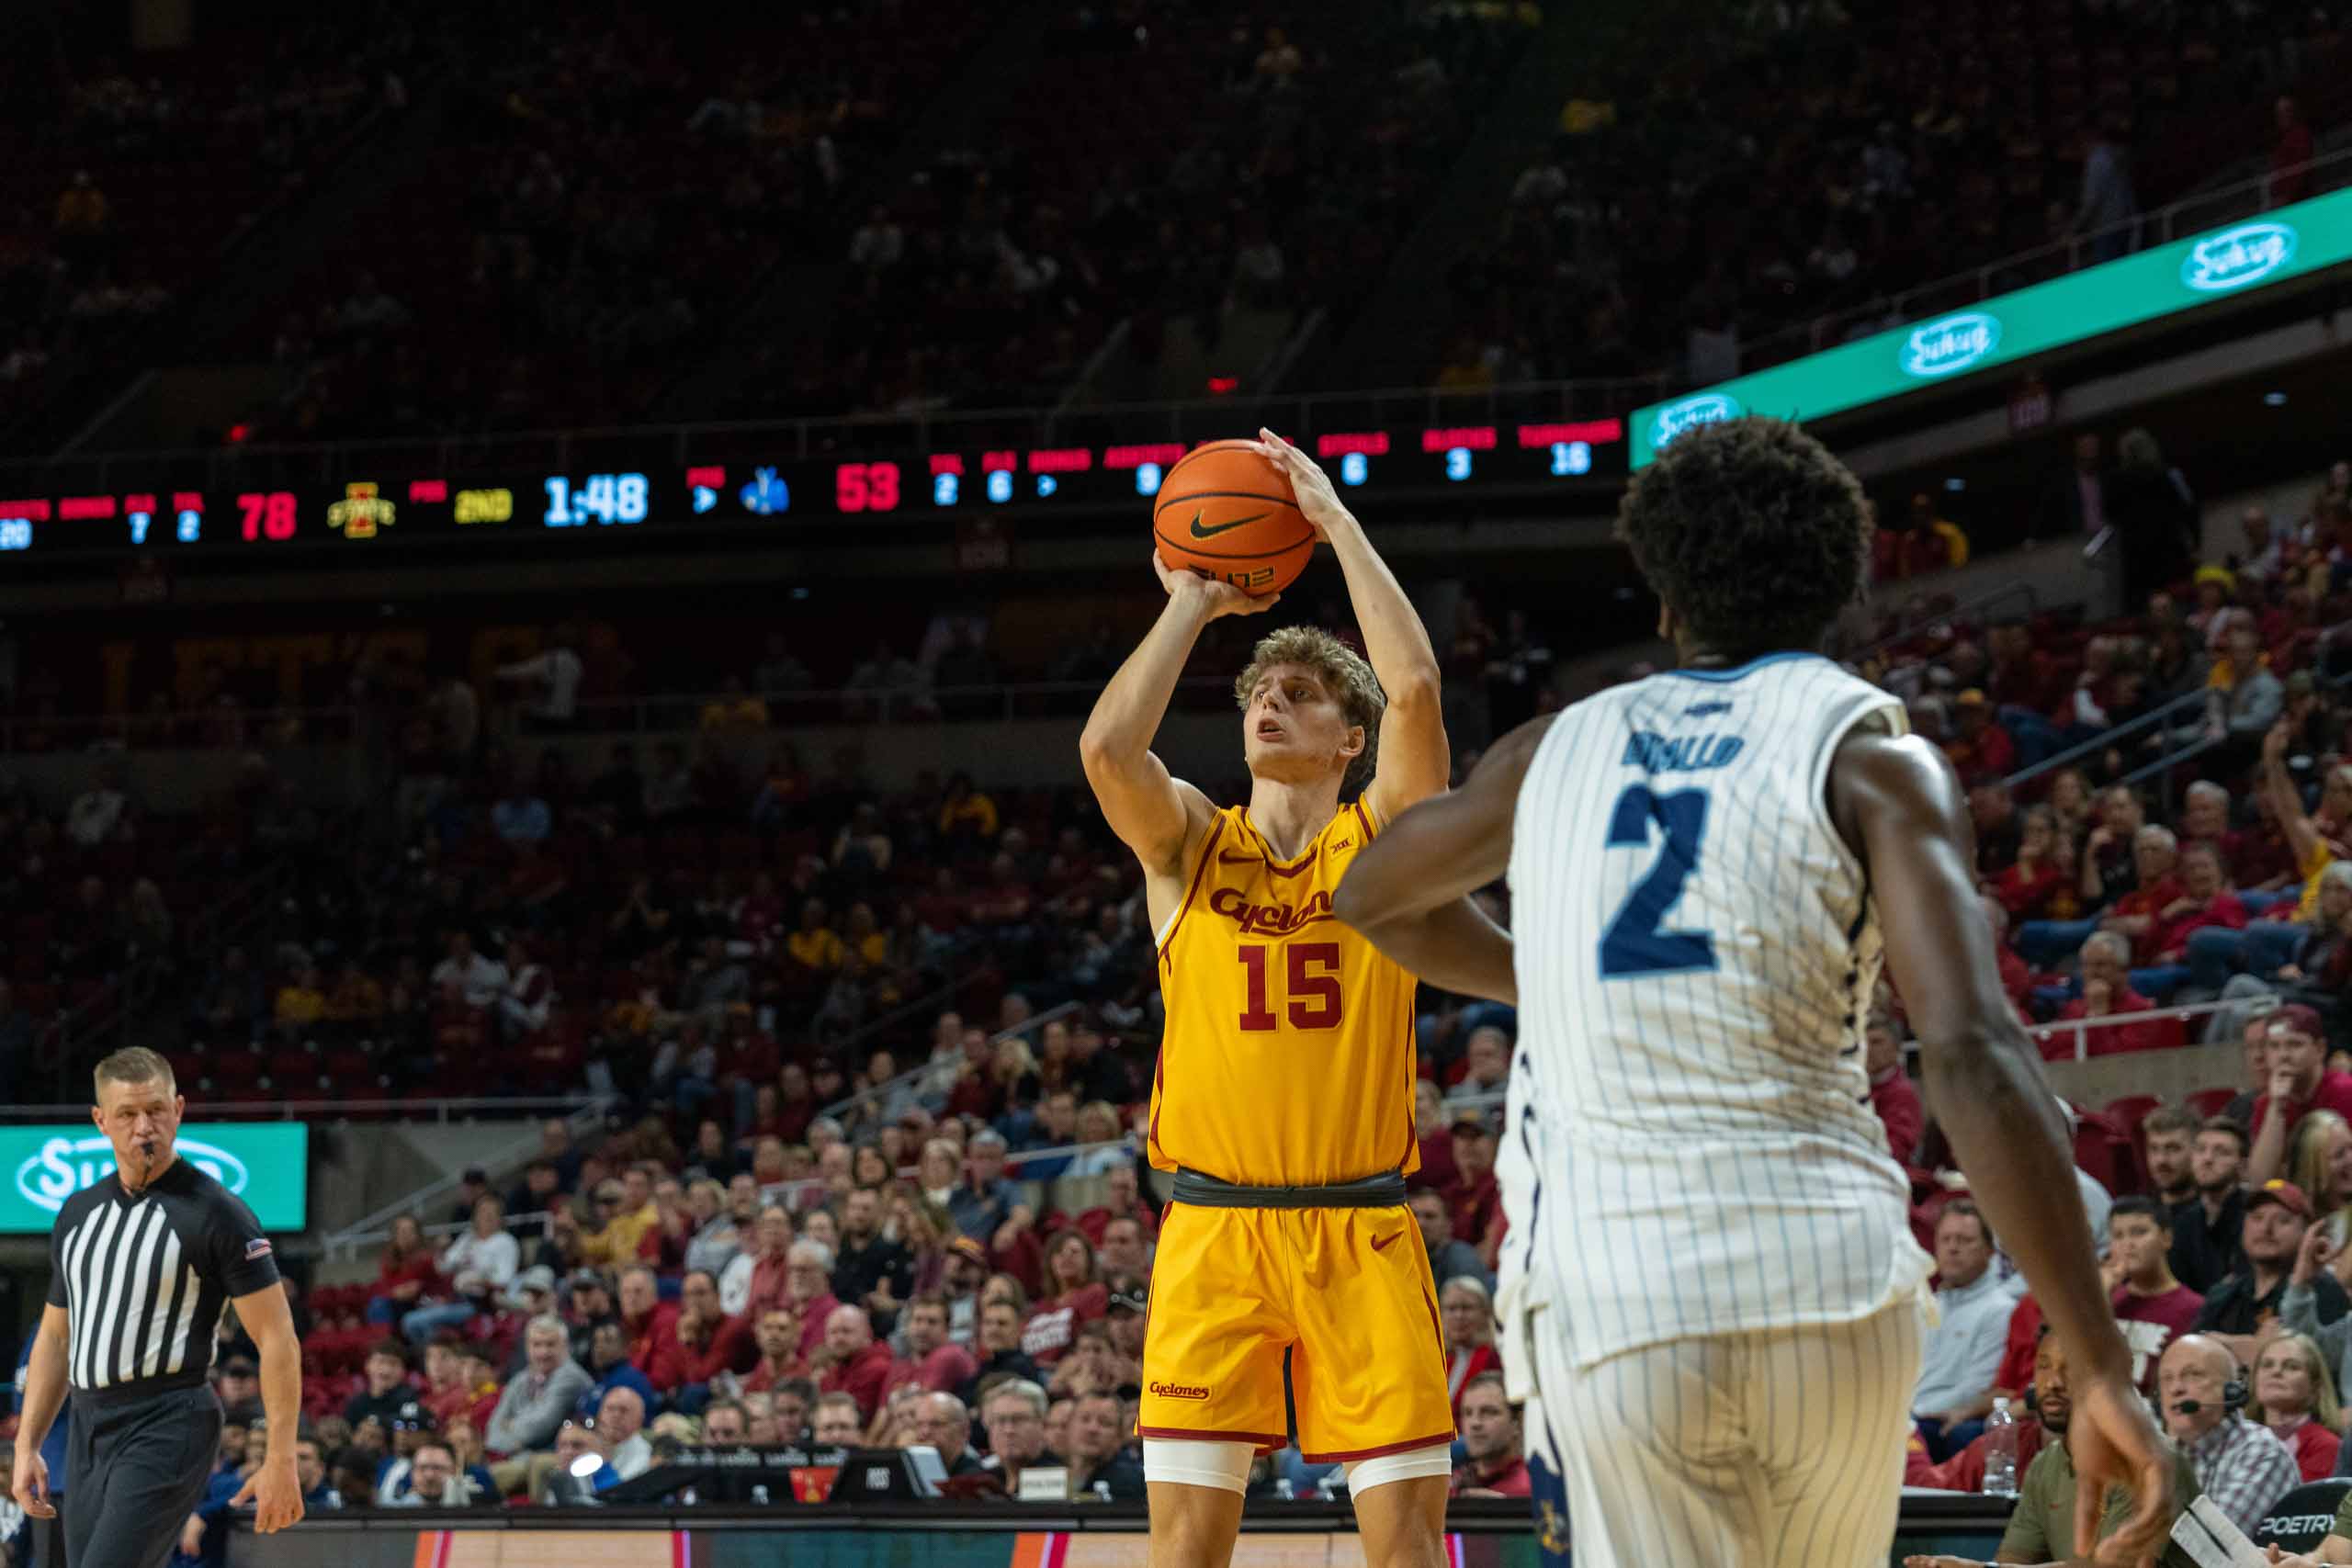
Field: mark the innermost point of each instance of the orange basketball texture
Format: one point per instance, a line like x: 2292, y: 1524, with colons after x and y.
x: 1226, y: 512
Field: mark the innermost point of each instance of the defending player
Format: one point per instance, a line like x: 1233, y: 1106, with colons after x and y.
x: 1284, y: 1096
x: 1710, y: 1299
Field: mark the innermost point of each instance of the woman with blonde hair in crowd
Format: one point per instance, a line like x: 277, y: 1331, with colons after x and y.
x: 2294, y: 1395
x: 921, y: 1227
x: 1098, y: 1122
x: 2319, y: 1160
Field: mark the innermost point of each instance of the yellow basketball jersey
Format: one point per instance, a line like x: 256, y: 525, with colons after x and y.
x: 1288, y: 1057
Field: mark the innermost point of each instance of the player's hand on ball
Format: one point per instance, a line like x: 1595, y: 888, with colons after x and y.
x: 276, y: 1491
x: 1317, y: 501
x: 30, y: 1484
x: 1218, y: 598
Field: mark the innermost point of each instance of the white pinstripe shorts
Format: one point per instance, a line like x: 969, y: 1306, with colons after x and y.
x: 1766, y: 1451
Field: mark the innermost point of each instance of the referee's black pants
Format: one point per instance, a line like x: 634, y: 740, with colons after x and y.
x: 135, y: 1469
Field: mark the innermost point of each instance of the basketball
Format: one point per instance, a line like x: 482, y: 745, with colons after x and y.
x: 1226, y: 512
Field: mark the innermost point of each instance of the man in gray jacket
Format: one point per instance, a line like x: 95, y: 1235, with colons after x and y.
x: 537, y: 1400
x: 1448, y: 1257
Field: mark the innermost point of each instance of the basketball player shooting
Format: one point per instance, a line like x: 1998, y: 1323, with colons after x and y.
x: 1710, y: 1299
x: 1284, y: 1099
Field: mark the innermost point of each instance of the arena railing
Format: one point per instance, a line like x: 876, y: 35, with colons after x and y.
x: 2167, y: 714
x: 911, y: 1079
x: 350, y: 1241
x: 671, y: 713
x: 1297, y: 415
x: 1974, y: 607
x: 2082, y: 1028
x: 2189, y: 214
x: 581, y: 1113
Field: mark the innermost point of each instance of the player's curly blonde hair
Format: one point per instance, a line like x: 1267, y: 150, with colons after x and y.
x: 1341, y: 672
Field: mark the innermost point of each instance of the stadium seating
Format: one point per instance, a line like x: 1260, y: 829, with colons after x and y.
x: 1787, y: 180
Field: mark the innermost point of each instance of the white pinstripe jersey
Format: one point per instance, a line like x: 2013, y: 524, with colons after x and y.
x: 1690, y: 1148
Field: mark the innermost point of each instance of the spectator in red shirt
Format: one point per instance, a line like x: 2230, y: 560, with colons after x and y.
x: 1473, y: 1199
x: 2025, y: 887
x: 703, y: 1342
x: 1981, y: 749
x: 2017, y: 974
x: 777, y: 1337
x: 1891, y: 1094
x: 808, y: 1293
x: 928, y: 1356
x: 2137, y: 914
x: 2016, y: 1369
x: 406, y: 1273
x: 2020, y: 675
x: 853, y: 1361
x: 1124, y: 1249
x: 1490, y: 1437
x: 1436, y: 1138
x: 2152, y: 1307
x: 1080, y: 1296
x: 649, y: 1321
x: 446, y: 1393
x: 2203, y: 902
x: 2262, y: 860
x: 1964, y: 1471
x: 2295, y: 1397
x: 1122, y: 1199
x: 2107, y: 990
x: 1467, y: 1313
x: 2300, y: 1082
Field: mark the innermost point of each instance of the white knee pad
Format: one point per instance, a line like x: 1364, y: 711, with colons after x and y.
x: 1363, y: 1474
x: 1199, y: 1461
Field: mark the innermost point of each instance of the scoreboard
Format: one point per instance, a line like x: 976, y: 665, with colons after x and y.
x: 749, y: 499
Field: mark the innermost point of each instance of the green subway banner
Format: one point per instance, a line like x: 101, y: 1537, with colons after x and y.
x: 266, y: 1163
x: 2220, y: 263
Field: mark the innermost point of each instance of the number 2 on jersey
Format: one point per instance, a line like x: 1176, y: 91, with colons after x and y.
x: 1312, y: 985
x: 1636, y: 941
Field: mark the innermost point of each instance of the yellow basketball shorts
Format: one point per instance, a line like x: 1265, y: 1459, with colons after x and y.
x: 1346, y: 1293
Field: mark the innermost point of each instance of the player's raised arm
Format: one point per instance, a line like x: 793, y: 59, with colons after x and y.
x: 1899, y: 804
x: 1414, y: 761
x: 1152, y: 812
x: 1407, y: 891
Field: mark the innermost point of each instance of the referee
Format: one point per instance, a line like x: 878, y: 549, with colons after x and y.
x: 141, y: 1265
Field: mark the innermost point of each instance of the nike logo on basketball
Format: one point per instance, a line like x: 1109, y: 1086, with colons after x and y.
x: 1201, y: 533
x: 1382, y: 1241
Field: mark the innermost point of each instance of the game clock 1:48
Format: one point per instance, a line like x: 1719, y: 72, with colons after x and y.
x: 599, y: 497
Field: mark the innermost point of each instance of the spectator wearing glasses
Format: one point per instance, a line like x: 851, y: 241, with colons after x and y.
x: 1014, y: 1416
x: 942, y: 1421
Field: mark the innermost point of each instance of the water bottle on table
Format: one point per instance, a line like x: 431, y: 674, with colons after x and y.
x: 2000, y: 1450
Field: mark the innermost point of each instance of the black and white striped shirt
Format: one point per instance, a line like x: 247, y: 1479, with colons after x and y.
x: 143, y: 1277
